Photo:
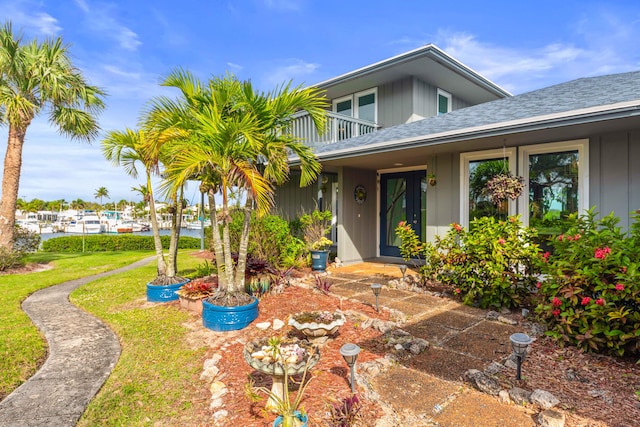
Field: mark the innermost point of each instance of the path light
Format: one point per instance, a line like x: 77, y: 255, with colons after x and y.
x: 519, y: 343
x: 350, y: 352
x: 376, y: 287
x: 403, y: 269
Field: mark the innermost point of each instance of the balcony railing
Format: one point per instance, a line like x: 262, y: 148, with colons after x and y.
x: 339, y: 127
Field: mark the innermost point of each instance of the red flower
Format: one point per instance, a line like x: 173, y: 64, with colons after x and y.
x: 624, y: 269
x: 538, y: 285
x: 601, y: 253
x: 545, y: 256
x: 457, y: 290
x: 556, y: 302
x: 585, y: 301
x: 576, y: 237
x: 561, y: 237
x: 457, y: 226
x: 619, y: 287
x: 502, y: 241
x: 600, y: 301
x: 556, y: 312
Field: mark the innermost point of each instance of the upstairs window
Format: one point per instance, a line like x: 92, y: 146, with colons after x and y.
x: 444, y: 102
x: 362, y: 105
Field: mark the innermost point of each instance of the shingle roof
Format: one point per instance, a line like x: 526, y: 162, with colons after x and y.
x: 553, y: 100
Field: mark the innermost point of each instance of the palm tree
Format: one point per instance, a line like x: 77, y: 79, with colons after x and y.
x: 100, y: 193
x: 34, y: 77
x: 127, y: 149
x: 231, y: 137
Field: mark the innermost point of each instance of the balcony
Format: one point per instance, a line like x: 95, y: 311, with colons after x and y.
x: 339, y: 127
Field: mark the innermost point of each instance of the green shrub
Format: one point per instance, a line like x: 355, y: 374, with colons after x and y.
x: 494, y: 264
x: 24, y: 242
x: 111, y: 243
x: 590, y: 296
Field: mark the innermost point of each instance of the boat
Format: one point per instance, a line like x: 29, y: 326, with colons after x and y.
x: 86, y: 224
x: 35, y: 226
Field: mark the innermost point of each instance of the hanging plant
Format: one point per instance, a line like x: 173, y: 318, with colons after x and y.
x: 504, y: 186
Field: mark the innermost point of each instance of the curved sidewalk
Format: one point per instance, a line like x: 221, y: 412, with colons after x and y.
x: 82, y: 353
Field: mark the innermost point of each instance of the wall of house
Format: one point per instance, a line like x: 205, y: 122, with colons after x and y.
x: 291, y: 200
x: 395, y: 102
x: 424, y: 99
x: 614, y: 169
x: 443, y: 199
x: 357, y: 222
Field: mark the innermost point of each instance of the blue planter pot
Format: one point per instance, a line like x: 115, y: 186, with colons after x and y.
x: 319, y: 260
x: 301, y: 417
x: 163, y: 293
x: 221, y: 319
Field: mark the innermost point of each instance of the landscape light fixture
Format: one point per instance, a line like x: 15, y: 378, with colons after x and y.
x: 350, y: 352
x: 519, y: 344
x: 376, y: 287
x: 403, y: 269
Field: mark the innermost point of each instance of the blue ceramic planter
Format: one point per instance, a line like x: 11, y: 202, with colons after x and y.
x: 220, y: 318
x: 319, y: 260
x: 301, y: 417
x: 163, y: 293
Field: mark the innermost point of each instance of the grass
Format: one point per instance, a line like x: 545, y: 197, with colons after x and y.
x: 152, y: 381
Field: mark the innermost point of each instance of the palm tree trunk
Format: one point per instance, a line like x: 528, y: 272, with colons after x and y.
x: 217, y: 243
x: 176, y: 222
x: 244, y: 245
x: 162, y: 265
x: 10, y: 184
x: 226, y: 242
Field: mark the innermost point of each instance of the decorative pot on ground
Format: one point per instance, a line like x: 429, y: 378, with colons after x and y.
x: 317, y: 323
x: 163, y: 293
x: 222, y: 318
x: 192, y: 293
x: 301, y: 419
x: 319, y: 260
x: 192, y: 304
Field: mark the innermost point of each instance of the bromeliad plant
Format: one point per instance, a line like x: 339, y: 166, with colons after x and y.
x: 494, y: 264
x: 591, y: 293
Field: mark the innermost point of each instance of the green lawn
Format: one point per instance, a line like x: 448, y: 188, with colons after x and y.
x: 153, y: 378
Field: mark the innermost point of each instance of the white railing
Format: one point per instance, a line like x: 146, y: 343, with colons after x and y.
x: 339, y: 127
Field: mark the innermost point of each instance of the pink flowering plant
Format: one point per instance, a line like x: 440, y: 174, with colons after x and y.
x: 590, y: 296
x: 493, y: 264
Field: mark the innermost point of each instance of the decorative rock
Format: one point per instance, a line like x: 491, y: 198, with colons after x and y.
x: 212, y: 361
x: 551, y: 418
x: 209, y: 373
x: 337, y: 262
x: 538, y: 329
x: 382, y: 326
x: 492, y: 315
x: 398, y: 347
x: 506, y: 320
x: 277, y: 324
x: 218, y: 389
x: 216, y: 403
x: 418, y: 346
x: 493, y: 368
x: 544, y: 399
x: 511, y: 362
x: 483, y: 382
x: 219, y: 417
x: 520, y: 396
x: 397, y: 316
x: 505, y: 310
x: 263, y: 325
x: 503, y: 397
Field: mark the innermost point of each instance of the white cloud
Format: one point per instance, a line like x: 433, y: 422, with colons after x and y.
x: 283, y: 4
x: 82, y: 4
x: 294, y: 69
x: 235, y: 66
x: 45, y: 24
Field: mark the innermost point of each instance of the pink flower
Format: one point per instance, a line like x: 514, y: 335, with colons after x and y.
x: 619, y: 287
x: 457, y: 227
x: 556, y: 312
x: 600, y: 301
x: 556, y: 302
x: 502, y: 241
x: 623, y: 269
x: 561, y: 237
x: 577, y: 237
x: 585, y: 301
x: 538, y: 285
x: 569, y: 238
x: 601, y: 253
x: 545, y: 256
x: 457, y: 290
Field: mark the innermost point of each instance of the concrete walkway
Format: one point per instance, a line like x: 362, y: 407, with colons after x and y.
x: 82, y: 353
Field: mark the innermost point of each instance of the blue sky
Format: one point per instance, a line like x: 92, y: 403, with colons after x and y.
x: 126, y: 47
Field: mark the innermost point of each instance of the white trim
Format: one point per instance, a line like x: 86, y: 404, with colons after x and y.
x: 581, y: 145
x: 339, y: 100
x: 444, y: 94
x: 356, y: 107
x: 465, y: 158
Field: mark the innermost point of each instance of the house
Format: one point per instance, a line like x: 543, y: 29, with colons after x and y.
x: 576, y: 144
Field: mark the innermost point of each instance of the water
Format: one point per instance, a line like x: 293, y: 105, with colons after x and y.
x: 183, y: 232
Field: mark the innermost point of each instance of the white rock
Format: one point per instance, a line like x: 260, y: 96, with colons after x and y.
x: 212, y: 361
x: 503, y: 397
x: 210, y: 373
x: 263, y: 326
x: 277, y: 324
x: 219, y: 417
x: 215, y: 403
x: 217, y: 389
x: 551, y: 418
x: 543, y: 398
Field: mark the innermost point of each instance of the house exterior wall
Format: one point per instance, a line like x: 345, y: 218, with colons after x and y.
x: 357, y: 225
x: 291, y: 200
x: 443, y: 199
x: 615, y: 174
x: 425, y: 100
x: 395, y: 102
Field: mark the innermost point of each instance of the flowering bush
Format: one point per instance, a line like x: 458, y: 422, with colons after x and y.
x: 491, y: 265
x: 591, y: 294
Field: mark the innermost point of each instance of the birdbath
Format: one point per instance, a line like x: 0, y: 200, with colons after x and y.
x: 314, y: 324
x: 295, y: 357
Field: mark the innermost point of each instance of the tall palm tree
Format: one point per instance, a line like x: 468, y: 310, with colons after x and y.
x: 100, y: 193
x: 35, y: 77
x: 229, y: 136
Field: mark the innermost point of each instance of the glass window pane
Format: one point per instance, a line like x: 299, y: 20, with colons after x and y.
x: 396, y: 208
x: 443, y: 104
x: 344, y: 107
x: 367, y: 107
x: 553, y: 189
x: 480, y: 205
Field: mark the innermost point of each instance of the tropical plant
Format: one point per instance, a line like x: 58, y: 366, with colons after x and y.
x: 344, y: 413
x: 198, y: 288
x: 504, y: 186
x: 322, y: 283
x: 101, y: 193
x: 231, y: 137
x: 316, y: 225
x: 34, y: 77
x: 127, y: 149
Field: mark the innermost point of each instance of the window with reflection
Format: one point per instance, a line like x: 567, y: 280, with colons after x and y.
x: 480, y: 204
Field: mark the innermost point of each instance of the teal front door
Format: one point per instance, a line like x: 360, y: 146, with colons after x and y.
x: 403, y: 198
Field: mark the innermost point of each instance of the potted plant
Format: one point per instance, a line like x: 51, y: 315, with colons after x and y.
x: 315, y: 228
x: 192, y: 293
x: 317, y: 323
x: 281, y: 360
x: 504, y: 186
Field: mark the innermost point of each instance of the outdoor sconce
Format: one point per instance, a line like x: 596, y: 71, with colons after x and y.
x: 350, y: 354
x: 403, y: 269
x: 376, y: 287
x: 519, y: 344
